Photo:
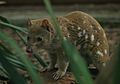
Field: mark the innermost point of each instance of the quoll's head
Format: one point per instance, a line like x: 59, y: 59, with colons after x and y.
x: 40, y: 34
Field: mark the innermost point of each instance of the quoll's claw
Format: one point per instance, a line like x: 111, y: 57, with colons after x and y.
x: 58, y: 74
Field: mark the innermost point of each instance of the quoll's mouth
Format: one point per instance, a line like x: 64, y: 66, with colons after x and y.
x: 29, y: 49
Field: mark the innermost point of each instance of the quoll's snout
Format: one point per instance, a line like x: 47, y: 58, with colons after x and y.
x: 28, y: 49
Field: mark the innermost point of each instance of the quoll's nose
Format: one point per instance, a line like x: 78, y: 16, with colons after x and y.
x: 28, y: 49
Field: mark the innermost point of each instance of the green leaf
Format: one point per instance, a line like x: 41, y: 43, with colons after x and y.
x: 77, y: 64
x: 22, y: 38
x: 25, y: 42
x: 53, y: 18
x: 116, y: 76
x: 3, y: 19
x: 14, y: 76
x: 7, y: 25
x: 40, y: 60
x: 3, y: 72
x: 76, y: 61
x: 13, y: 58
x: 9, y: 41
x: 2, y: 47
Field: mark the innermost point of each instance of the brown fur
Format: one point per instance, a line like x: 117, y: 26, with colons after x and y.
x: 78, y: 27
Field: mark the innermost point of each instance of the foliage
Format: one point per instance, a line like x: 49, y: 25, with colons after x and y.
x: 11, y: 61
x: 7, y: 41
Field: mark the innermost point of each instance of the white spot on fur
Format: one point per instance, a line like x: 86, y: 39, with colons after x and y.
x: 95, y: 31
x: 92, y: 37
x: 99, y: 53
x: 68, y: 35
x: 91, y: 26
x: 104, y: 64
x: 99, y: 28
x: 79, y: 28
x: 72, y: 26
x: 84, y: 31
x: 84, y: 22
x: 104, y: 35
x: 98, y: 43
x: 79, y: 34
x: 86, y: 36
x: 56, y: 66
x: 105, y: 51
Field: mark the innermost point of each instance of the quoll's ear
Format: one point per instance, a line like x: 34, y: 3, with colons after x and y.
x: 29, y: 23
x: 45, y: 24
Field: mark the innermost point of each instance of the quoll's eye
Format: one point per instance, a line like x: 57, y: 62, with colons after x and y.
x: 39, y: 39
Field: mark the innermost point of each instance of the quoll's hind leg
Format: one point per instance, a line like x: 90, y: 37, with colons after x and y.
x: 62, y: 64
x: 99, y: 61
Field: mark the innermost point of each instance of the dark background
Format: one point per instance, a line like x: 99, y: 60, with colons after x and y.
x: 57, y: 2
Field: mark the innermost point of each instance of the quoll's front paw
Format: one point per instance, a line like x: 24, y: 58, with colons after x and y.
x: 58, y: 74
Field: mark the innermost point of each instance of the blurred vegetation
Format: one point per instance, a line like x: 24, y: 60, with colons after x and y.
x: 12, y: 57
x: 16, y: 55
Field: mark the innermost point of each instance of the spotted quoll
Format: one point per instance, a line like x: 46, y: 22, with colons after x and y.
x: 78, y: 27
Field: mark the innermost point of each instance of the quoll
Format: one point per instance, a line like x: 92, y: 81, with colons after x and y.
x: 81, y: 29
